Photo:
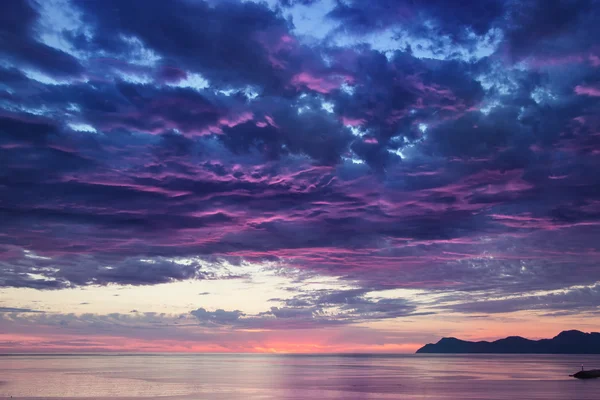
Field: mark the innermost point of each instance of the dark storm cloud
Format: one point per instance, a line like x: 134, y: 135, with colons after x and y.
x: 23, y: 128
x: 433, y: 18
x: 19, y: 45
x: 351, y: 303
x: 232, y: 46
x: 78, y: 271
x: 568, y: 301
x: 313, y: 133
x: 400, y: 94
x: 290, y: 3
x: 552, y: 33
x: 388, y: 170
x: 218, y: 317
x: 319, y: 309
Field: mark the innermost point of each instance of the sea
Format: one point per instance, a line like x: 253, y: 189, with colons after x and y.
x: 298, y: 377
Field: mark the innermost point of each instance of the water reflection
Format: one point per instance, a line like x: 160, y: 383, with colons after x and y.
x: 296, y: 377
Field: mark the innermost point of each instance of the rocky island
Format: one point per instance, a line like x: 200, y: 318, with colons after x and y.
x: 566, y: 342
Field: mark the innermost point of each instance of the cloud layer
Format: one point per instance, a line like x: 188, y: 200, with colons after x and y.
x: 445, y: 148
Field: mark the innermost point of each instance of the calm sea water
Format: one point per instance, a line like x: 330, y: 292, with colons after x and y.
x: 208, y: 377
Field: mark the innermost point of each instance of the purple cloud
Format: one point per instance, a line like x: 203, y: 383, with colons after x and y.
x: 218, y: 132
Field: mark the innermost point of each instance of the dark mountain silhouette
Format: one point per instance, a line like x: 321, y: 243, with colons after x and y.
x: 566, y: 342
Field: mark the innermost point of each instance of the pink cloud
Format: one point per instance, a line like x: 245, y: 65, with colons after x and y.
x: 541, y: 62
x: 286, y: 39
x: 587, y: 90
x: 271, y: 121
x: 349, y: 121
x: 232, y: 121
x: 424, y: 173
x: 590, y: 57
x: 526, y: 221
x: 320, y: 84
x: 536, y: 148
x: 131, y: 186
x: 277, y: 46
x: 433, y: 90
x: 10, y: 146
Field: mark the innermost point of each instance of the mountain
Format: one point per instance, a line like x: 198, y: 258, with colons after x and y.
x: 566, y: 342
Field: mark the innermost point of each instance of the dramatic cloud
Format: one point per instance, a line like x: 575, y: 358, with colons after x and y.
x: 18, y: 44
x: 444, y: 148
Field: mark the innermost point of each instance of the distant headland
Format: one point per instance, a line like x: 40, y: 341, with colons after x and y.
x: 566, y: 342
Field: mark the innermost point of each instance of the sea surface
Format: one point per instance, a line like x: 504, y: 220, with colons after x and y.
x: 235, y: 376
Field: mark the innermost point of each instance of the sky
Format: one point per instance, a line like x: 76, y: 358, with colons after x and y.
x: 296, y: 175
